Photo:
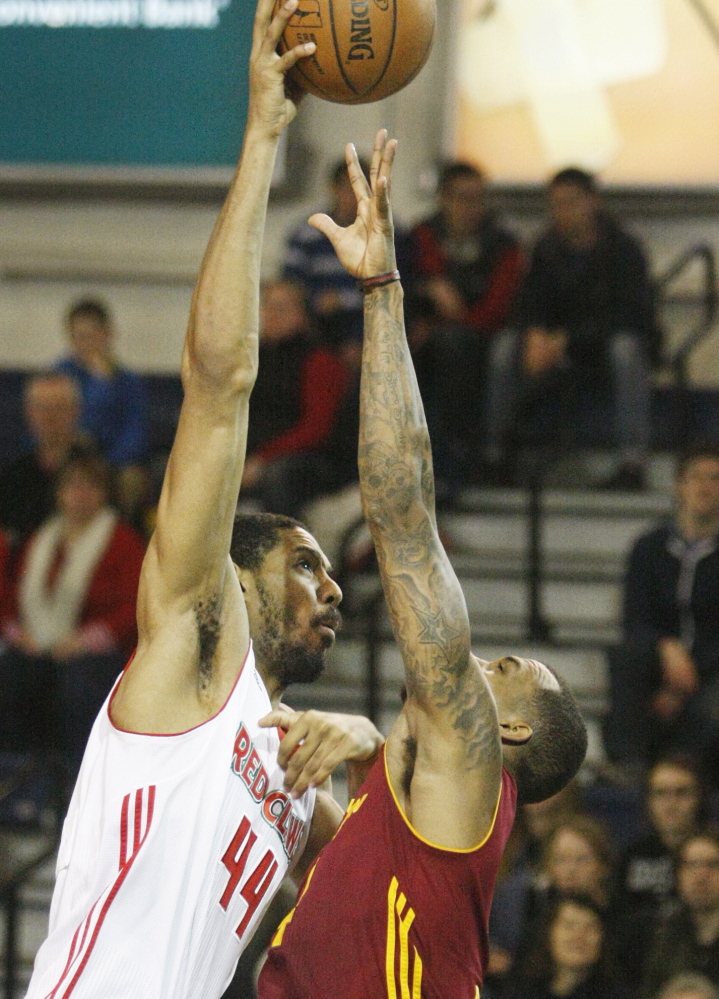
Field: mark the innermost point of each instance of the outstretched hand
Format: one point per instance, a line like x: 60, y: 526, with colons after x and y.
x: 273, y: 99
x: 316, y: 742
x: 366, y: 248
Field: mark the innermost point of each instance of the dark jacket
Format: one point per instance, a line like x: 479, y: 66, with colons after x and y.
x: 654, y: 605
x: 487, y: 279
x: 590, y: 294
x: 676, y: 950
x: 597, y: 986
x: 643, y: 894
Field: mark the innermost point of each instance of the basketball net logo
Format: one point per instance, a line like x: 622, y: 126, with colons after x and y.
x: 307, y: 15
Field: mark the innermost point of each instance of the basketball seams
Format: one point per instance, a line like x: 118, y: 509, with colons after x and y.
x: 337, y: 81
x: 420, y: 65
x: 338, y: 54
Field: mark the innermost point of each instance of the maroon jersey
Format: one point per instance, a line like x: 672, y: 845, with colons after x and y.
x: 385, y: 914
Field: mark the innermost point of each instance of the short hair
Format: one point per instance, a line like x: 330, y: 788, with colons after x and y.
x: 697, y: 452
x: 87, y: 460
x: 89, y: 308
x: 557, y: 748
x: 254, y: 535
x: 457, y: 170
x: 582, y: 179
x: 338, y: 170
x: 689, y: 981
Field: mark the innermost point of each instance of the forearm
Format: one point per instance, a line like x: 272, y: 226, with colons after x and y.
x: 224, y: 319
x: 394, y: 458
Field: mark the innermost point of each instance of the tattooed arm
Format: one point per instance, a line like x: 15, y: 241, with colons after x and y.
x: 444, y: 753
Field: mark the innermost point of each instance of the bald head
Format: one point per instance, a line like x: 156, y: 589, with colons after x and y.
x: 52, y: 409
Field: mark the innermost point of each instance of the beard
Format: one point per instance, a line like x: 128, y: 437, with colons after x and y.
x: 290, y: 660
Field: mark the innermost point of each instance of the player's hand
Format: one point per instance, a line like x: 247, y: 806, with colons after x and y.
x: 366, y: 248
x: 316, y: 742
x: 273, y: 104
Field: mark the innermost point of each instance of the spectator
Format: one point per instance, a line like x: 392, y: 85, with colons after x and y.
x: 525, y: 850
x: 297, y: 401
x: 664, y: 678
x: 70, y: 621
x: 688, y: 939
x: 114, y: 400
x: 586, y: 304
x: 27, y: 485
x: 334, y: 299
x: 468, y: 267
x: 577, y: 859
x: 570, y: 956
x: 676, y: 807
x: 689, y: 986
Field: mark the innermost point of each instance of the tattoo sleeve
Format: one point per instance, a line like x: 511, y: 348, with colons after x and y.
x: 425, y: 601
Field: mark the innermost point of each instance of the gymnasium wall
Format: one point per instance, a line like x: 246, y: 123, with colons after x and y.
x: 142, y: 253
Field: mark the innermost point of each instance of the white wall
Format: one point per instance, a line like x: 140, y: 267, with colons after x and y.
x: 142, y: 257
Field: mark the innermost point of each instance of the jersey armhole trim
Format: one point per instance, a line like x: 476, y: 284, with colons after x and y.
x: 173, y: 735
x: 423, y: 839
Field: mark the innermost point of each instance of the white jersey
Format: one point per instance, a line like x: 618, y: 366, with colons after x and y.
x: 172, y: 848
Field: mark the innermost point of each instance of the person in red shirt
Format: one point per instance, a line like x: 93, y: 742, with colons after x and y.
x: 467, y: 268
x: 397, y: 904
x: 69, y: 621
x: 298, y: 396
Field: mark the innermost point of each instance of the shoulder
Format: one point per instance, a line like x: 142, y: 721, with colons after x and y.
x: 654, y: 540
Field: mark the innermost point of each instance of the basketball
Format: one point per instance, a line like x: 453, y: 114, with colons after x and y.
x: 366, y: 49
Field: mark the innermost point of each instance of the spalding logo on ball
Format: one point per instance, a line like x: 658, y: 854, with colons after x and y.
x: 366, y: 49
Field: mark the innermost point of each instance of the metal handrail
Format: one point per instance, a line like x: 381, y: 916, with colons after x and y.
x: 704, y: 253
x: 11, y: 887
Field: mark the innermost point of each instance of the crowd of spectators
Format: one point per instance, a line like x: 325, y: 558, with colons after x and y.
x: 582, y: 913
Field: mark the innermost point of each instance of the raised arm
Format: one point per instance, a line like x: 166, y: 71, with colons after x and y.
x: 191, y: 617
x: 444, y: 754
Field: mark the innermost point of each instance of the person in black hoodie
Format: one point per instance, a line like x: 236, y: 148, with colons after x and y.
x: 676, y: 806
x: 570, y: 959
x: 664, y: 677
x: 585, y: 305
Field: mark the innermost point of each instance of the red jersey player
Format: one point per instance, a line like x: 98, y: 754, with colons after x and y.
x: 397, y: 904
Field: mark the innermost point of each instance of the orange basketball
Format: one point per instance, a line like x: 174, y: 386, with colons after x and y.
x: 366, y: 49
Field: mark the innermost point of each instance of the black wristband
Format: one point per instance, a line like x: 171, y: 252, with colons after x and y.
x: 378, y: 281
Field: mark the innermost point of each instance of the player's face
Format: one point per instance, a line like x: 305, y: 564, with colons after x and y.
x: 514, y: 679
x: 298, y: 609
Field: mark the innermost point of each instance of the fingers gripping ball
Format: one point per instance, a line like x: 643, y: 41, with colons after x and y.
x: 366, y: 49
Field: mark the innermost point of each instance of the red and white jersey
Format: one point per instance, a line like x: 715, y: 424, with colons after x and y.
x: 171, y: 850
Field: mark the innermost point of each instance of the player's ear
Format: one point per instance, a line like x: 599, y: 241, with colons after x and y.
x: 515, y: 732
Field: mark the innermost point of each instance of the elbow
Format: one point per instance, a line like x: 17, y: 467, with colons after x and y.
x: 221, y: 370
